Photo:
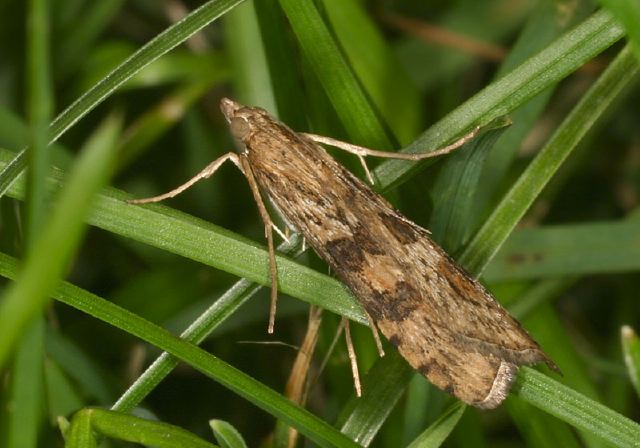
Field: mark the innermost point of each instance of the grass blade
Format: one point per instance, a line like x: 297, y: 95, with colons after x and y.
x: 49, y: 255
x: 269, y: 400
x: 161, y: 44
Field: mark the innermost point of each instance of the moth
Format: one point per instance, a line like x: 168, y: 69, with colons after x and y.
x: 442, y: 321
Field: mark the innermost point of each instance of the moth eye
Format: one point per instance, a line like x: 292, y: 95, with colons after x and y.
x: 239, y: 127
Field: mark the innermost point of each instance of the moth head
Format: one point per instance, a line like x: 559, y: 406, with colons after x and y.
x: 236, y: 115
x: 229, y: 108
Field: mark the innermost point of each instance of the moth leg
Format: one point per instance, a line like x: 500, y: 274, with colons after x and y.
x: 244, y: 166
x: 376, y: 335
x: 205, y: 173
x: 362, y: 151
x: 352, y: 357
x: 304, y: 244
x: 366, y: 169
x: 282, y: 234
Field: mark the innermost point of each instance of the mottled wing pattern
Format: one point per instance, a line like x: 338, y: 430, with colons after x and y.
x: 442, y: 321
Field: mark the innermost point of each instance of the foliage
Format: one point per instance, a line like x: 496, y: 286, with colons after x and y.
x: 360, y: 71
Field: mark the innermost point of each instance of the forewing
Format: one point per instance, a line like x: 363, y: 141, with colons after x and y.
x: 443, y: 322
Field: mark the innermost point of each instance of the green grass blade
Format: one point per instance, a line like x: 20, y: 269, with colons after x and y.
x: 539, y: 72
x: 26, y: 389
x: 529, y: 185
x: 454, y: 189
x: 226, y: 435
x: 545, y: 24
x: 138, y: 430
x: 197, y: 332
x: 80, y: 434
x: 539, y: 429
x: 161, y: 44
x: 438, y: 431
x: 631, y: 351
x: 576, y: 409
x: 332, y: 69
x: 628, y: 13
x: 316, y: 429
x: 382, y: 388
x: 39, y: 105
x: 49, y: 255
x: 252, y: 80
x: 388, y: 86
x: 556, y: 251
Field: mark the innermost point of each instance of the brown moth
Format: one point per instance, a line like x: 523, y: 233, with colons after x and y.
x: 443, y: 322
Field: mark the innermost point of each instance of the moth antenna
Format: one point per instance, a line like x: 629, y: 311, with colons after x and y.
x: 268, y: 229
x: 205, y: 173
x: 352, y: 358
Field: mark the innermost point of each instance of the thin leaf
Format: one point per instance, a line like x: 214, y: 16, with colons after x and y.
x: 197, y: 332
x: 51, y: 252
x: 314, y: 428
x: 628, y: 13
x: 161, y: 44
x: 438, y: 431
x: 519, y: 198
x: 499, y: 98
x: 576, y: 409
x: 27, y: 388
x: 226, y: 435
x: 138, y: 430
x: 631, y: 351
x: 333, y: 71
x: 391, y: 90
x: 557, y: 251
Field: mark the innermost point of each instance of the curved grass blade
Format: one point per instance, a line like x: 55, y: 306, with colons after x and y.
x: 161, y: 44
x: 546, y: 68
x: 130, y: 429
x: 266, y: 398
x: 576, y: 409
x: 529, y: 185
x: 340, y: 83
x: 226, y: 435
x: 197, y: 332
x: 438, y: 431
x: 628, y: 13
x: 50, y: 253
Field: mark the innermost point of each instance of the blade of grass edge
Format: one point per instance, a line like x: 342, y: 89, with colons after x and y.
x: 264, y: 397
x: 519, y: 198
x: 574, y: 408
x: 152, y: 50
x: 438, y: 431
x: 549, y: 66
x: 50, y: 253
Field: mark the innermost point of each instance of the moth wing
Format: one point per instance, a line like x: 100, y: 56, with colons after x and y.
x: 442, y: 321
x: 459, y: 336
x: 478, y: 379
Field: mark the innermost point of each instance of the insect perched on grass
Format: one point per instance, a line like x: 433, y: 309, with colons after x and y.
x: 443, y: 322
